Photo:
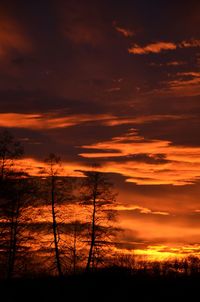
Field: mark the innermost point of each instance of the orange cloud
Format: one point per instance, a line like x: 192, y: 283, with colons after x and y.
x: 181, y: 165
x: 167, y: 252
x: 189, y: 44
x: 187, y: 84
x: 36, y: 167
x: 123, y: 31
x: 155, y: 229
x: 47, y: 121
x: 178, y: 165
x: 152, y: 48
x: 114, y: 121
x: 142, y: 210
x: 158, y: 47
x: 53, y: 121
x: 177, y: 174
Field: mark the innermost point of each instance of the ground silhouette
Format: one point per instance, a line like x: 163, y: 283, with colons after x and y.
x: 104, y: 285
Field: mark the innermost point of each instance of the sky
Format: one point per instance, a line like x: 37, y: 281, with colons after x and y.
x: 115, y: 83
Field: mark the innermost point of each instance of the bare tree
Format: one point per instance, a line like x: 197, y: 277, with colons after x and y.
x: 18, y: 219
x: 15, y: 192
x: 74, y: 248
x: 10, y: 149
x: 97, y: 194
x: 77, y: 232
x: 53, y: 170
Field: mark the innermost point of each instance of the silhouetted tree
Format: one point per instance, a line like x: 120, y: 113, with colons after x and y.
x: 77, y: 230
x: 53, y: 170
x: 98, y: 196
x: 18, y: 219
x: 156, y: 268
x: 124, y: 261
x: 185, y: 266
x: 15, y: 192
x: 194, y: 264
x: 10, y: 150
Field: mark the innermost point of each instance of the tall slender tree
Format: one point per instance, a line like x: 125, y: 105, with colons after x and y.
x: 77, y: 232
x: 53, y: 170
x: 98, y: 195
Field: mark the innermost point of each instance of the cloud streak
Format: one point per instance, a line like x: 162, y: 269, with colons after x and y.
x: 161, y: 46
x: 156, y: 47
x: 123, y: 31
x: 40, y: 121
x: 181, y: 165
x: 142, y: 210
x: 46, y: 121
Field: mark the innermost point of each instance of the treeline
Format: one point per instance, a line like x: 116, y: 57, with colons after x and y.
x: 131, y: 265
x: 51, y: 223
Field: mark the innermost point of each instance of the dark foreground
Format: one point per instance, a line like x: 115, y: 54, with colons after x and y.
x: 104, y: 286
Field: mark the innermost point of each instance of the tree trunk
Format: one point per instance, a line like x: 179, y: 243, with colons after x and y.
x: 55, y: 229
x: 13, y: 239
x: 10, y: 251
x: 74, y: 249
x: 92, y: 234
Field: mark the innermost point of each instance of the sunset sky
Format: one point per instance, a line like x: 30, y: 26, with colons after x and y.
x: 115, y: 83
